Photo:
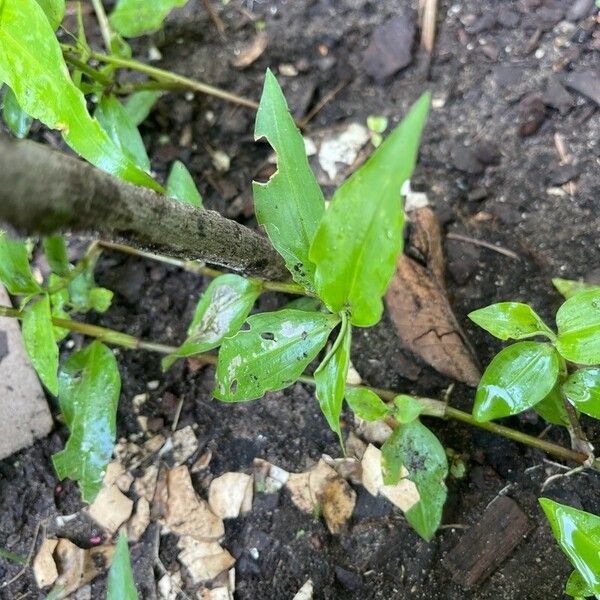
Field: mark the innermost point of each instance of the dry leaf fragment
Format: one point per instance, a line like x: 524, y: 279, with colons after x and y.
x: 202, y: 462
x: 337, y: 504
x: 186, y: 513
x: 417, y: 303
x: 252, y: 52
x: 231, y: 494
x: 44, y: 567
x: 145, y: 486
x: 139, y: 522
x: 306, y: 488
x: 203, y: 560
x: 111, y: 508
x: 305, y: 592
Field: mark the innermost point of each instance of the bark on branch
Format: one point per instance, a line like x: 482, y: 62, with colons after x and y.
x: 43, y: 191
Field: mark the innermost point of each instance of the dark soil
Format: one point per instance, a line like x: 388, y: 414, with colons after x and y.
x: 492, y: 82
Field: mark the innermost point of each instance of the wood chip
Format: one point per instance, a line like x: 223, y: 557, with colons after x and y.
x: 203, y: 560
x: 117, y: 475
x: 145, y: 486
x: 111, y: 508
x: 305, y: 592
x: 252, y: 52
x: 179, y: 447
x: 305, y: 488
x: 373, y: 431
x: 484, y: 547
x: 186, y: 513
x: 139, y: 522
x: 44, y: 567
x: 337, y: 502
x: 355, y: 447
x: 202, y: 462
x: 231, y: 494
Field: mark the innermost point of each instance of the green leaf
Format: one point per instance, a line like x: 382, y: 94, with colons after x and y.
x: 577, y: 587
x: 407, y: 408
x: 100, y: 299
x: 16, y: 119
x: 58, y: 301
x: 54, y: 10
x: 181, y: 186
x: 32, y: 65
x: 83, y: 293
x: 88, y: 391
x: 517, y: 378
x: 132, y: 18
x: 552, y: 408
x: 578, y: 321
x: 220, y: 313
x: 308, y: 303
x: 38, y: 334
x: 578, y: 535
x: 291, y: 204
x: 330, y: 378
x: 139, y: 105
x: 514, y: 320
x: 15, y: 273
x: 120, y: 576
x: 568, y: 288
x: 360, y: 236
x: 115, y: 120
x: 582, y: 388
x: 415, y: 448
x: 271, y: 354
x: 56, y: 254
x: 366, y: 404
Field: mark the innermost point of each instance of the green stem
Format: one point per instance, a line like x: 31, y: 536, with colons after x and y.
x: 103, y: 23
x: 199, y: 268
x: 89, y: 71
x: 89, y: 258
x: 165, y: 77
x: 431, y: 407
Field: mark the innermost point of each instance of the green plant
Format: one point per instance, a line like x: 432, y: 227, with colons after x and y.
x: 341, y: 260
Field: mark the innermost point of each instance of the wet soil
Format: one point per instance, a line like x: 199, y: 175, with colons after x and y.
x: 493, y: 64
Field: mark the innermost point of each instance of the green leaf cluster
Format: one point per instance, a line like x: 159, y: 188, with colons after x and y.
x: 533, y: 374
x: 132, y: 18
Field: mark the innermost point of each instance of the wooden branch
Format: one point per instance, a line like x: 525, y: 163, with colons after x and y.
x: 44, y: 191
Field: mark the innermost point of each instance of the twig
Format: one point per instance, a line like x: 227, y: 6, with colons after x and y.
x: 322, y: 103
x: 469, y: 240
x: 561, y: 475
x: 428, y: 18
x: 212, y: 13
x: 28, y: 560
x: 103, y: 23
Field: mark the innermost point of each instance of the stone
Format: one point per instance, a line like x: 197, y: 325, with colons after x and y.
x: 557, y: 97
x: 24, y: 413
x: 586, y: 83
x: 579, y: 9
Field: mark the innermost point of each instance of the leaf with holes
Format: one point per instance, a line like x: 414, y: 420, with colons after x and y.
x: 271, y: 354
x: 578, y: 535
x: 132, y: 18
x: 415, y: 448
x: 330, y: 378
x: 518, y: 378
x: 38, y: 335
x: 120, y: 584
x: 291, y: 204
x: 360, y: 236
x: 32, y: 65
x: 16, y: 119
x: 220, y: 313
x: 578, y: 322
x: 366, y: 404
x: 181, y: 186
x: 511, y: 320
x: 88, y: 392
x: 15, y: 272
x: 582, y: 388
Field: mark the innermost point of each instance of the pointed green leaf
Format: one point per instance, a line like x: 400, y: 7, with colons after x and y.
x: 54, y: 10
x: 115, y: 120
x: 132, y: 18
x: 552, y: 408
x: 407, y: 409
x: 291, y: 204
x: 577, y: 587
x: 56, y: 254
x: 330, y: 378
x: 366, y: 404
x: 32, y: 65
x: 271, y: 354
x: 220, y: 313
x: 181, y: 186
x: 15, y: 273
x: 38, y: 335
x: 58, y: 300
x: 582, y: 388
x: 360, y: 236
x: 415, y: 448
x: 511, y: 320
x: 139, y: 105
x: 578, y: 321
x: 517, y: 378
x: 568, y: 288
x: 89, y: 387
x: 578, y: 535
x: 16, y: 119
x: 121, y: 585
